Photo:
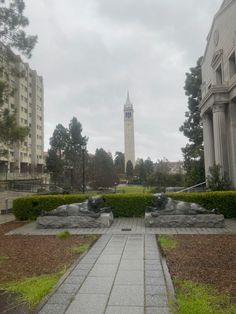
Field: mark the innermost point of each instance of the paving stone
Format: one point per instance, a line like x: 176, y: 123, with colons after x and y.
x: 80, y: 272
x: 152, y: 262
x: 97, y: 285
x: 89, y: 260
x: 68, y: 288
x: 127, y: 264
x: 125, y: 277
x: 54, y: 309
x: 85, y: 266
x: 155, y: 281
x: 100, y: 270
x: 127, y: 296
x: 124, y: 310
x: 154, y: 273
x: 60, y: 298
x: 153, y: 267
x: 160, y: 290
x: 76, y: 280
x: 109, y: 259
x: 156, y: 300
x: 88, y: 304
x: 157, y: 310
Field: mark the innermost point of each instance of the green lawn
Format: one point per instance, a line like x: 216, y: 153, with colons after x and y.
x: 132, y: 189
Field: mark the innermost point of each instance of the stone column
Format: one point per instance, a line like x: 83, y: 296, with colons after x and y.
x: 220, y: 139
x: 208, y: 137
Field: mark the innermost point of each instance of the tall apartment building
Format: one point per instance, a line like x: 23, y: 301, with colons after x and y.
x: 28, y: 101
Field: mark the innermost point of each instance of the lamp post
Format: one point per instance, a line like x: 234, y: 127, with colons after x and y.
x: 83, y: 165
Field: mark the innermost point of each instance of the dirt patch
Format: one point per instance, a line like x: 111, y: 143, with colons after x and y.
x: 209, y: 259
x: 27, y: 256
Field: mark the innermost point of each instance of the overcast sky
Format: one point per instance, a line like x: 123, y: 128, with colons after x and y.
x: 90, y: 52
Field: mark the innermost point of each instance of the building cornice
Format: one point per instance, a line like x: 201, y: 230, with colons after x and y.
x: 220, y: 11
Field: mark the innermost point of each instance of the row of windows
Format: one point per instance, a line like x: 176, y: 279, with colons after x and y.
x: 128, y: 115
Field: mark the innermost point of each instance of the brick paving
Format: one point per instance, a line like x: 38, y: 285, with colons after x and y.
x: 121, y: 274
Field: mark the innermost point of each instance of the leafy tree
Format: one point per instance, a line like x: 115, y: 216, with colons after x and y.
x: 119, y: 163
x: 10, y: 132
x: 104, y: 170
x: 59, y: 139
x: 192, y: 128
x: 55, y: 166
x: 129, y: 170
x: 12, y: 35
x: 140, y: 171
x: 215, y: 180
x: 162, y: 178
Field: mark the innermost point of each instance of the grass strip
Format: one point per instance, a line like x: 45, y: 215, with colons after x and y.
x: 167, y: 242
x: 196, y: 298
x: 32, y: 290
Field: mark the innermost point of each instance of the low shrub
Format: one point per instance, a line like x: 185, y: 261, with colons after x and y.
x: 123, y: 205
x: 65, y: 234
x: 29, y: 208
x: 128, y: 205
x: 224, y: 201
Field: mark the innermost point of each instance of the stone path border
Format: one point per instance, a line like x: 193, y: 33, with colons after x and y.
x: 121, y: 224
x: 121, y: 274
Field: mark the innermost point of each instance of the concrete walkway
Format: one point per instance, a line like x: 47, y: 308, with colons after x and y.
x: 121, y: 274
x: 128, y: 226
x: 6, y: 218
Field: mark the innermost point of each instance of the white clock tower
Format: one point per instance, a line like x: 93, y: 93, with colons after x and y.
x: 129, y: 131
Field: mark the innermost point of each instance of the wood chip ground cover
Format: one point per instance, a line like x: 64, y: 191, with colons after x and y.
x: 207, y: 259
x: 28, y: 256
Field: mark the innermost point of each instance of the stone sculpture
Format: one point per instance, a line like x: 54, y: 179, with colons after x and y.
x: 88, y: 214
x: 166, y: 212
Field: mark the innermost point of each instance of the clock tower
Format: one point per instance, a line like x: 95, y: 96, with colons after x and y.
x: 129, y: 132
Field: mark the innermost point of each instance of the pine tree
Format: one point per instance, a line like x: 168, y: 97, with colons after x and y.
x: 192, y: 128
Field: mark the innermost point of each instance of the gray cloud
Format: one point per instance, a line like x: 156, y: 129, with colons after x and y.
x: 90, y: 52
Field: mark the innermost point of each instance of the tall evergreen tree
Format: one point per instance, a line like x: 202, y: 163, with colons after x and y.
x: 119, y: 163
x: 104, y: 170
x: 192, y: 128
x: 129, y: 170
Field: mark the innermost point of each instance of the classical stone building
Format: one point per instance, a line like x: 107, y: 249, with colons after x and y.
x: 26, y: 158
x: 218, y: 105
x: 129, y: 131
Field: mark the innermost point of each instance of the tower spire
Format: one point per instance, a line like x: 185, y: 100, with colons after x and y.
x: 128, y: 102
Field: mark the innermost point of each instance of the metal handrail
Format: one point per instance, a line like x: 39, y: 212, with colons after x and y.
x: 191, y: 187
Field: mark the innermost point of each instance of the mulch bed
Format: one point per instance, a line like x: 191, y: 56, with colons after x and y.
x: 209, y: 259
x: 27, y: 256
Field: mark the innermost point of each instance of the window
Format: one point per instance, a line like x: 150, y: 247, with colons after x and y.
x: 219, y: 76
x: 232, y: 65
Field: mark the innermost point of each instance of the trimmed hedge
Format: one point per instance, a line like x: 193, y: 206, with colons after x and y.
x: 225, y: 201
x: 128, y: 205
x: 29, y: 208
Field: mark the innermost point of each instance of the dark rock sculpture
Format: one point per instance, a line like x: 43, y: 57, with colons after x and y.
x: 87, y: 214
x: 166, y: 212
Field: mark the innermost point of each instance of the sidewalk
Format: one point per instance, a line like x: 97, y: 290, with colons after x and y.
x: 121, y: 274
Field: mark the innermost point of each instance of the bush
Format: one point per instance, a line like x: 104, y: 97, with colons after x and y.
x: 225, y: 201
x: 29, y: 208
x: 128, y: 205
x: 123, y: 205
x: 63, y: 235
